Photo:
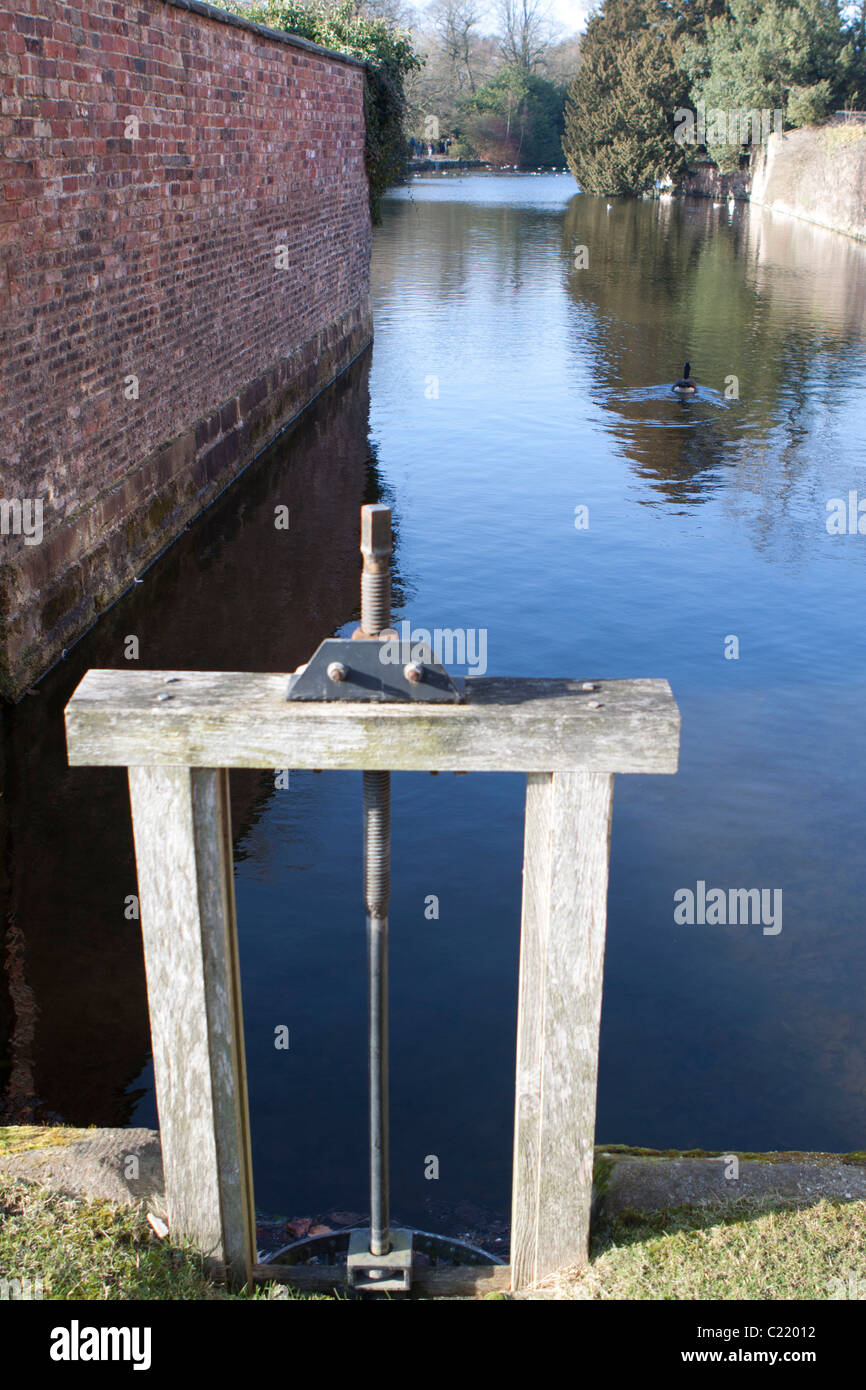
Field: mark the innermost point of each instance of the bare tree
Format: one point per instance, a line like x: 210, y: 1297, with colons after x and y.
x: 527, y: 32
x: 455, y: 23
x: 395, y: 13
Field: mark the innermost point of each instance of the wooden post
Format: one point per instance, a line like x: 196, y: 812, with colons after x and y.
x: 183, y: 851
x: 569, y: 744
x: 565, y: 865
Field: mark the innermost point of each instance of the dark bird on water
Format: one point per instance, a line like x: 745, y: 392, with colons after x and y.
x: 686, y: 385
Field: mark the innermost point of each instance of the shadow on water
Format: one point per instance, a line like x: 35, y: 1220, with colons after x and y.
x: 233, y: 593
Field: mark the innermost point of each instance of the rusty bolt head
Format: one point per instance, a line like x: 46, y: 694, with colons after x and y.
x: 376, y: 530
x: 414, y: 672
x: 337, y: 671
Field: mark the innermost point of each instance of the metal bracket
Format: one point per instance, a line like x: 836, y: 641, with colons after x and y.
x: 391, y: 1273
x: 374, y: 670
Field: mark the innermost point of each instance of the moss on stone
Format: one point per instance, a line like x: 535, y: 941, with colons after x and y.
x: 613, y: 1151
x: 23, y: 1138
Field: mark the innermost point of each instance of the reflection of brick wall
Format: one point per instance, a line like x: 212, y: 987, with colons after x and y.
x: 151, y: 251
x: 818, y: 174
x: 235, y: 593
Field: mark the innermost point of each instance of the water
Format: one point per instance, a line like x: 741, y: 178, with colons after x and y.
x: 507, y: 389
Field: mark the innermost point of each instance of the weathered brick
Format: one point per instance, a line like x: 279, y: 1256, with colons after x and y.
x: 151, y: 254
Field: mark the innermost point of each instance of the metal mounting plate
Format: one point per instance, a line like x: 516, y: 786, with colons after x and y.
x: 391, y: 1273
x: 373, y: 673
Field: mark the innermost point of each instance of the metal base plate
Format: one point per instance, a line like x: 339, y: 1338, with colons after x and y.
x: 331, y: 1251
x: 374, y: 671
x: 391, y: 1273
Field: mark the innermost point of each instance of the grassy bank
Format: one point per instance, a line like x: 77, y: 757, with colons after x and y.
x: 92, y: 1250
x: 95, y: 1251
x: 747, y: 1250
x: 772, y: 1248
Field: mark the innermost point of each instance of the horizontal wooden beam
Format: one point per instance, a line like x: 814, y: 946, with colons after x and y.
x: 231, y: 719
x: 438, y: 1282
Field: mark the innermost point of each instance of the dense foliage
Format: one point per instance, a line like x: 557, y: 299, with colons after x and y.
x: 619, y: 134
x: 784, y: 55
x: 643, y: 61
x: 348, y: 26
x: 515, y: 118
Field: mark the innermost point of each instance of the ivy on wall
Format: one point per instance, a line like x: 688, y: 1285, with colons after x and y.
x: 388, y: 57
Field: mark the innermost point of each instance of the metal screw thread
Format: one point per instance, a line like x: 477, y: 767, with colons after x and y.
x: 377, y: 892
x: 375, y: 597
x: 375, y: 617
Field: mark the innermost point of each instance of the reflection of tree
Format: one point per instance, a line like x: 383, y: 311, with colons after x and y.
x: 748, y: 298
x: 686, y: 469
x: 377, y: 490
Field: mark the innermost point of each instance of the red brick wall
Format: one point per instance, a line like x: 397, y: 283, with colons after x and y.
x: 151, y: 252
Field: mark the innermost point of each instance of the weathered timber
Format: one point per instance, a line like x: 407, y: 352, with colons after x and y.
x: 438, y: 1282
x: 173, y: 729
x: 566, y: 850
x: 230, y: 719
x: 183, y: 854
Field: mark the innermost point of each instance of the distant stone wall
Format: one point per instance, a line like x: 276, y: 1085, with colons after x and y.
x: 706, y: 181
x: 184, y: 264
x: 818, y: 174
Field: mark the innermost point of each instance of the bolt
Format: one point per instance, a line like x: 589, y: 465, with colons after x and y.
x: 414, y: 672
x: 376, y: 548
x: 376, y: 530
x: 337, y: 671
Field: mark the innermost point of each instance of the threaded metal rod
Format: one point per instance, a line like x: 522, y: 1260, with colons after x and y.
x: 375, y: 598
x: 377, y: 856
x: 375, y: 617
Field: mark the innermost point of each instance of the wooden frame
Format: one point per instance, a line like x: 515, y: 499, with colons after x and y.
x: 178, y: 732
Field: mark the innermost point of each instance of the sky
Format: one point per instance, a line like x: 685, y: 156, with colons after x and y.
x: 571, y: 14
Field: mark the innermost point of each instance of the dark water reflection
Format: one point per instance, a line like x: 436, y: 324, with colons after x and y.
x: 507, y: 389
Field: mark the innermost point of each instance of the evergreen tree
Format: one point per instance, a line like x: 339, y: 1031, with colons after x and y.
x: 619, y: 121
x: 773, y: 55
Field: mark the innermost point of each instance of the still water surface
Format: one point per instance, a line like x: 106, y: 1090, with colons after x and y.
x: 506, y: 390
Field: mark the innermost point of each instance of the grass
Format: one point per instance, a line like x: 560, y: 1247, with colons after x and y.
x: 753, y: 1249
x: 96, y: 1251
x: 749, y: 1250
x: 835, y: 137
x: 19, y: 1138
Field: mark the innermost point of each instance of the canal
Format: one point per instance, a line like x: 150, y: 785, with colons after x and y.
x: 555, y: 500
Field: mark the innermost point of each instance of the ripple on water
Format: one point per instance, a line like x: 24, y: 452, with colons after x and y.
x: 658, y: 407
